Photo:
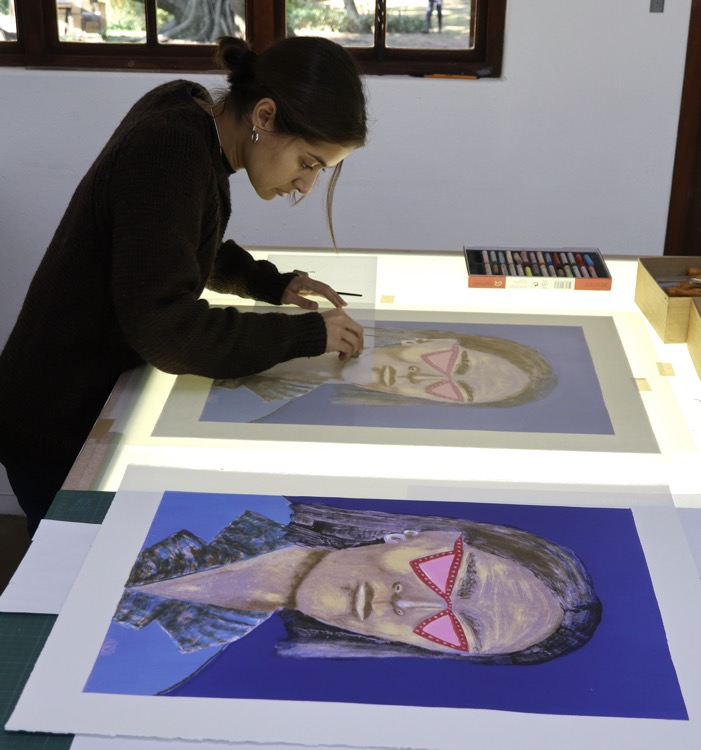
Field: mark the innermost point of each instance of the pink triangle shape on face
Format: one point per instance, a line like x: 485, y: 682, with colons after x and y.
x: 438, y: 570
x: 441, y: 361
x: 446, y: 390
x: 442, y: 629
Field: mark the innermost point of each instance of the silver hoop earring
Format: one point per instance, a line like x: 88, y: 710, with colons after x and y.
x: 255, y: 135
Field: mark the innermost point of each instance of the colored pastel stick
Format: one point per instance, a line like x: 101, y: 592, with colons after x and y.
x: 568, y: 271
x: 527, y: 270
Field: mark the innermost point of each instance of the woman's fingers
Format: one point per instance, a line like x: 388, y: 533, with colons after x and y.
x: 343, y: 334
x: 302, y: 285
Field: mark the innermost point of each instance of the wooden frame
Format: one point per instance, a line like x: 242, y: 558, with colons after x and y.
x: 38, y: 45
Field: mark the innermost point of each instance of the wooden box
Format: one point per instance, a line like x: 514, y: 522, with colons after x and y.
x: 669, y: 316
x: 694, y: 339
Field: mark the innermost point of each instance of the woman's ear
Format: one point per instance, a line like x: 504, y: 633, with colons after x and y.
x: 263, y: 115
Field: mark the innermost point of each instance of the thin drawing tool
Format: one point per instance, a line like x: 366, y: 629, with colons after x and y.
x: 535, y: 269
x: 551, y: 270
x: 509, y: 256
x: 532, y: 257
x: 543, y: 269
x: 527, y: 271
x: 504, y: 270
x: 576, y: 273
x: 485, y: 257
x: 492, y: 256
x: 548, y: 258
x: 571, y: 259
x: 519, y: 270
x: 539, y: 257
x: 349, y: 294
x: 495, y: 269
x: 579, y: 259
x: 450, y: 75
x: 501, y: 257
x: 568, y: 271
x: 560, y: 271
x: 584, y: 272
x: 524, y: 256
x: 512, y: 269
x: 592, y: 272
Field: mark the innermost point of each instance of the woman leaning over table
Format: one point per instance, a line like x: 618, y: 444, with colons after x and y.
x: 120, y: 283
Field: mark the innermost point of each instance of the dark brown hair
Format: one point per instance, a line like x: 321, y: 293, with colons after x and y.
x: 314, y: 83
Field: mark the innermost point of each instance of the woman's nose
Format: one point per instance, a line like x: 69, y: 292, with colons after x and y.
x: 305, y: 183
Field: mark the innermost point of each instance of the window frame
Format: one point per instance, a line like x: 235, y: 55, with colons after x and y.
x: 38, y: 45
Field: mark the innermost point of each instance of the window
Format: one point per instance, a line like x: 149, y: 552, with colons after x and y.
x: 400, y: 37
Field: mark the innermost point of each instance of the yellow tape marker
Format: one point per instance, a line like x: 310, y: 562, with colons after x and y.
x: 665, y: 368
x: 642, y: 384
x: 387, y: 299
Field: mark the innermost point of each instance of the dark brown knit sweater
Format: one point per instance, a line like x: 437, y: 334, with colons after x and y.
x: 121, y: 280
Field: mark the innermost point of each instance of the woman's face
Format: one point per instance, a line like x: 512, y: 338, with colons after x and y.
x: 437, y: 370
x: 429, y: 589
x: 279, y: 165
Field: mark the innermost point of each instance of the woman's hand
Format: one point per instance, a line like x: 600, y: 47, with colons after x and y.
x: 302, y: 285
x: 343, y: 334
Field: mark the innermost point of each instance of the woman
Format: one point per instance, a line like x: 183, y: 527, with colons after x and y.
x: 121, y: 281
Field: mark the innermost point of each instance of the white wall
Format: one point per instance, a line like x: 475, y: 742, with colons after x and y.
x: 573, y: 146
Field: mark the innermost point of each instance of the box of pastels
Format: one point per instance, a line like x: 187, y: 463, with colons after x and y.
x: 536, y: 268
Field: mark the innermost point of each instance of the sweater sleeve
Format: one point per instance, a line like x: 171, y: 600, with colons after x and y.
x: 236, y: 272
x: 165, y: 214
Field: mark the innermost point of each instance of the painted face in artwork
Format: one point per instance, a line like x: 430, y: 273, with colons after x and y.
x: 437, y: 370
x: 432, y: 590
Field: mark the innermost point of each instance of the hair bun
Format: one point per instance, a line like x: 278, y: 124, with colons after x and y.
x: 246, y: 59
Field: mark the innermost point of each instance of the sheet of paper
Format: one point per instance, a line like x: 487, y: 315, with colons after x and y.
x: 58, y: 685
x: 42, y: 582
x: 352, y: 274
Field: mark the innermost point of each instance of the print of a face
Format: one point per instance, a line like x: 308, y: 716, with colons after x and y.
x: 429, y: 589
x: 437, y: 370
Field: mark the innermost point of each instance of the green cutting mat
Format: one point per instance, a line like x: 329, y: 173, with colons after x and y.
x: 22, y: 637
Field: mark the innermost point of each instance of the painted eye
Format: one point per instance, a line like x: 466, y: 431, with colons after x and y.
x: 397, y: 588
x: 398, y: 611
x: 413, y: 369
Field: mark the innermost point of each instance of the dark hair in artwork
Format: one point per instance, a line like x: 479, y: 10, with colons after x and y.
x: 555, y: 565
